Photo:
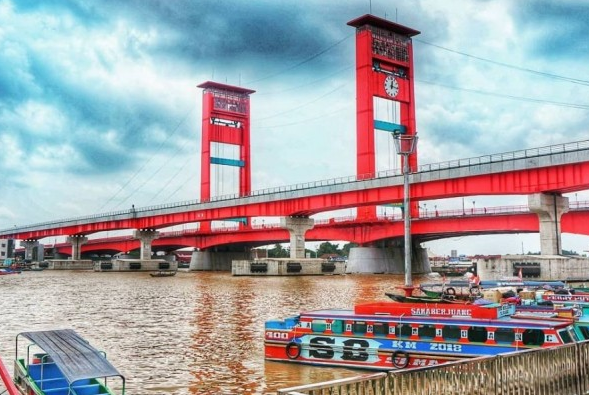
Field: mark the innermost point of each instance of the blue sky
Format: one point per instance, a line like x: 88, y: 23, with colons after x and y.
x: 99, y: 107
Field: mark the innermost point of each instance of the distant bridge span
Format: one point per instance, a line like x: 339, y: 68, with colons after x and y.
x: 561, y: 168
x: 436, y: 225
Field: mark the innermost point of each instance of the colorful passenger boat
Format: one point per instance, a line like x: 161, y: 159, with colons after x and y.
x: 61, y: 362
x: 390, y: 335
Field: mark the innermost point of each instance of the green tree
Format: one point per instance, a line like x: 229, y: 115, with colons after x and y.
x: 328, y: 248
x: 278, y: 252
x: 346, y: 249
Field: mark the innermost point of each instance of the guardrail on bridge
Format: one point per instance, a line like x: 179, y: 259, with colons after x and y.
x: 560, y: 370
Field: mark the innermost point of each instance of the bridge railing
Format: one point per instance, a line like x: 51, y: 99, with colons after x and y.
x: 527, y: 153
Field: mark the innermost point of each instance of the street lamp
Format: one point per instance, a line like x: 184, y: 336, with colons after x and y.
x: 405, y: 146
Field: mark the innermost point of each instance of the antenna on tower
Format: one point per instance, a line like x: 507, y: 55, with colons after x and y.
x: 396, y: 15
x: 370, y: 6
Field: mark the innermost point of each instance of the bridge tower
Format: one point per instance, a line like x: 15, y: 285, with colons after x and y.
x: 384, y: 69
x: 225, y: 120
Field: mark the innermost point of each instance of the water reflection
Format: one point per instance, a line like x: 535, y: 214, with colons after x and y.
x: 195, y: 333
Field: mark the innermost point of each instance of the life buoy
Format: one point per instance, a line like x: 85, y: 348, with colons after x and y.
x: 475, y: 291
x: 450, y: 291
x: 400, y: 359
x: 297, y: 347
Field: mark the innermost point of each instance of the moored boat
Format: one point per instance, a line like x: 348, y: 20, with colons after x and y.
x: 163, y: 273
x: 390, y: 335
x: 61, y: 362
x: 8, y: 271
x: 444, y: 298
x: 466, y: 288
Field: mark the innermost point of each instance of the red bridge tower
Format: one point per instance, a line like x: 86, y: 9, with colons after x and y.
x: 384, y: 69
x: 225, y: 120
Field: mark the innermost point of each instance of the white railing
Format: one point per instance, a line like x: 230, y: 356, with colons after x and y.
x: 507, y: 156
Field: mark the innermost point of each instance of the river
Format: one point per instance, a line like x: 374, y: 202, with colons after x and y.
x: 194, y: 333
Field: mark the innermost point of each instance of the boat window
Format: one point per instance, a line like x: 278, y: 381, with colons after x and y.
x: 359, y: 327
x: 505, y: 335
x: 318, y: 325
x: 533, y: 337
x: 426, y: 331
x: 477, y: 334
x: 565, y: 336
x: 337, y: 326
x: 451, y: 332
x: 404, y: 330
x: 584, y: 331
x: 381, y: 328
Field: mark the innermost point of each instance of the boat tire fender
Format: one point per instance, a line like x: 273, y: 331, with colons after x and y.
x: 403, y: 359
x: 475, y: 291
x: 450, y: 291
x: 296, y: 346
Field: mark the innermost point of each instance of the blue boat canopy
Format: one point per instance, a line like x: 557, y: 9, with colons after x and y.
x: 72, y: 354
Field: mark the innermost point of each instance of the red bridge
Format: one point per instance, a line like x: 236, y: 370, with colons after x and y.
x: 384, y: 64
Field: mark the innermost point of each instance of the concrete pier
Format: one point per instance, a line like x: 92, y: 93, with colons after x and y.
x: 67, y: 264
x: 77, y: 241
x: 286, y: 267
x: 297, y: 227
x: 534, y: 267
x: 207, y: 260
x: 387, y: 259
x: 34, y: 250
x: 146, y: 237
x: 550, y: 209
x: 134, y: 265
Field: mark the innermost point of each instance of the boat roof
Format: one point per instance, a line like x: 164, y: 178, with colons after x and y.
x: 74, y: 356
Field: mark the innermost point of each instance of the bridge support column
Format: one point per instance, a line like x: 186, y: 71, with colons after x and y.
x: 297, y: 227
x: 210, y: 260
x: 32, y: 249
x: 77, y: 241
x: 550, y: 208
x: 145, y: 236
x: 388, y: 259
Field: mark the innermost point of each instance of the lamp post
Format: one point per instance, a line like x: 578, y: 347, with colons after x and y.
x: 405, y: 146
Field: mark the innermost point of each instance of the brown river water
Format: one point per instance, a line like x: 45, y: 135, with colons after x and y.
x: 194, y: 333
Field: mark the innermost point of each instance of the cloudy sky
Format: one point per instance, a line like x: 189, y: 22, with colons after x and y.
x: 99, y: 107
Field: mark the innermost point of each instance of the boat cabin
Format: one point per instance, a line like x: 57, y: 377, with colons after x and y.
x: 389, y: 335
x: 61, y: 362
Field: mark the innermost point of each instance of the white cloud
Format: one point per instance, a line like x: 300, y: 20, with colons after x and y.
x: 104, y: 98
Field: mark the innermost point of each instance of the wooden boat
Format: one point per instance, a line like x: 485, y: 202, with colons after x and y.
x: 61, y: 362
x: 465, y: 289
x: 426, y: 299
x: 391, y: 335
x: 6, y: 271
x: 163, y: 273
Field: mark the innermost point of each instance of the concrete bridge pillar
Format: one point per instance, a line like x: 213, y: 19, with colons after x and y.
x: 146, y: 237
x: 550, y: 208
x: 387, y: 258
x: 32, y: 249
x: 77, y: 241
x: 297, y: 227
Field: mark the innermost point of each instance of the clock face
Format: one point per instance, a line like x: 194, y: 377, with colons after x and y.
x: 391, y: 86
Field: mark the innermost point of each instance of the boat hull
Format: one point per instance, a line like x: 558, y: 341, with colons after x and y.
x: 30, y: 383
x: 331, y: 351
x: 369, y: 353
